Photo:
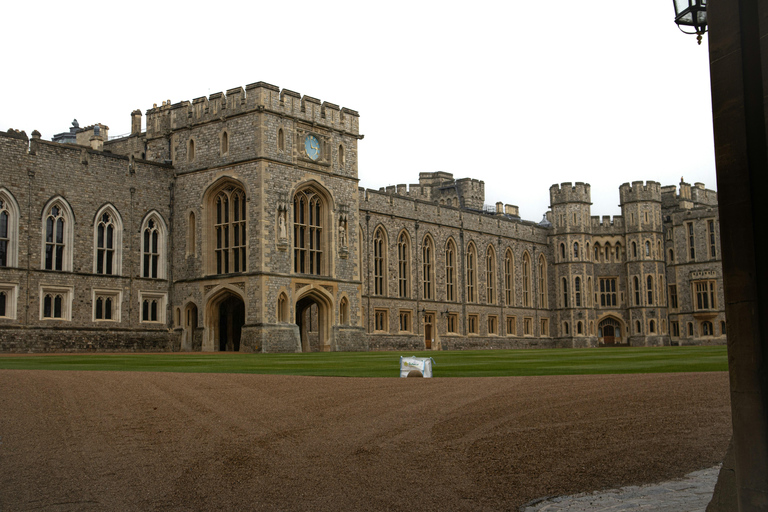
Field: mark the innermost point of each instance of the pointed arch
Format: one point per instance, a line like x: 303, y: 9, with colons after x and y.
x: 312, y: 210
x: 526, y: 279
x: 306, y: 298
x: 107, y: 241
x: 490, y: 275
x: 280, y: 139
x: 509, y: 278
x: 282, y: 308
x: 191, y: 150
x: 191, y: 234
x: 58, y: 235
x: 225, y: 242
x: 9, y: 229
x: 380, y: 260
x: 344, y: 311
x: 224, y: 318
x: 224, y: 143
x: 471, y: 272
x: 403, y: 264
x: 428, y: 267
x: 542, y: 281
x: 450, y: 270
x: 154, y: 236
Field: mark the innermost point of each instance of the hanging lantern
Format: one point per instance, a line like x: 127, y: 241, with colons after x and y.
x: 691, y: 13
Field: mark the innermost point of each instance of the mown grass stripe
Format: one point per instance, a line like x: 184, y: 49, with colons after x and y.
x: 477, y: 363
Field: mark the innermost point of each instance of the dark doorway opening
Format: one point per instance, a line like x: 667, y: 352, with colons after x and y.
x: 231, y: 321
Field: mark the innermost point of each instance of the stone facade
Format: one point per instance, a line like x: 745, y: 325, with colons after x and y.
x: 234, y: 222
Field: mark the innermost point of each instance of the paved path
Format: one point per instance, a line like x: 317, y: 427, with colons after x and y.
x: 688, y: 494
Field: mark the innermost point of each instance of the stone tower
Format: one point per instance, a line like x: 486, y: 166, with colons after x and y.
x: 571, y: 240
x: 645, y: 266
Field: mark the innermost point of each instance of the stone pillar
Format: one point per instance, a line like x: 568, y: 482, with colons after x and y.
x: 136, y: 122
x: 739, y: 69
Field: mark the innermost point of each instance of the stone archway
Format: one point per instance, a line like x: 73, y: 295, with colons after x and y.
x: 314, y: 316
x: 224, y: 320
x: 609, y: 331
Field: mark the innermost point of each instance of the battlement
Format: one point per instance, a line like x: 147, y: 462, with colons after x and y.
x: 639, y: 191
x: 606, y: 222
x: 688, y: 197
x: 567, y: 193
x: 415, y: 191
x: 256, y: 97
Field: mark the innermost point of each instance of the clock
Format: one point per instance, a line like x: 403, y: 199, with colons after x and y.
x: 312, y: 147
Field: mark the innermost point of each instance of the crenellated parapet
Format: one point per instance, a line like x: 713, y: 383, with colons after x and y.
x: 607, y: 224
x: 256, y: 97
x: 688, y: 196
x: 640, y: 192
x: 567, y: 193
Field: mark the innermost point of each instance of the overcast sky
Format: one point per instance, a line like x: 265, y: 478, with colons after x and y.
x: 519, y: 94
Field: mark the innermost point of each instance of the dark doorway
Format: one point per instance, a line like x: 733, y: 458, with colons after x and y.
x: 231, y: 321
x: 190, y: 324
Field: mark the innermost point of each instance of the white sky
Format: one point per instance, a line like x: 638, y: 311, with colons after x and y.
x: 519, y: 94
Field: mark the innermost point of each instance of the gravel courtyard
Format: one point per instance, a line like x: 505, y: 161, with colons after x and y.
x: 173, y: 441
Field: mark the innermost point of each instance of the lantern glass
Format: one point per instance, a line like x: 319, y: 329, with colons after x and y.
x: 691, y: 13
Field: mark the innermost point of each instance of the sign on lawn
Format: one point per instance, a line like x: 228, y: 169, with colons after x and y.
x: 421, y: 364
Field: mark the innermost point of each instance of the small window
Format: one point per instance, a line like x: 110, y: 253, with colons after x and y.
x: 527, y: 326
x: 341, y: 156
x: 381, y: 322
x: 224, y: 143
x: 707, y: 329
x: 511, y: 326
x: 493, y: 328
x: 453, y: 323
x: 344, y: 311
x: 671, y: 255
x: 652, y: 327
x: 8, y: 293
x: 673, y: 296
x: 545, y: 326
x: 690, y: 329
x: 405, y: 321
x: 106, y: 305
x: 191, y: 150
x: 722, y: 327
x: 282, y: 308
x: 472, y: 324
x: 566, y: 328
x: 280, y: 140
x: 152, y: 307
x: 674, y: 328
x: 634, y: 250
x: 56, y: 303
x: 579, y: 328
x: 576, y: 250
x: 638, y: 327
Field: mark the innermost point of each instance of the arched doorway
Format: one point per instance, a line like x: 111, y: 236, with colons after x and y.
x: 224, y: 320
x: 189, y: 326
x: 313, y: 316
x: 231, y: 321
x: 609, y: 331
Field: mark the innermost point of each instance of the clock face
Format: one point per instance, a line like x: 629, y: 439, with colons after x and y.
x: 312, y: 147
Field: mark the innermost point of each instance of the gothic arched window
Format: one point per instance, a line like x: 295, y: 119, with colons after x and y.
x: 490, y: 275
x: 542, y: 282
x: 108, y: 230
x: 428, y: 268
x: 471, y: 273
x: 403, y: 266
x: 379, y: 261
x: 229, y: 230
x: 58, y: 236
x: 450, y: 271
x: 9, y: 229
x: 308, y: 234
x: 526, y: 280
x: 509, y: 278
x: 153, y: 235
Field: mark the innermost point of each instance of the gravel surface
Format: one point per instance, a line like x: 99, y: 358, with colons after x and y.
x: 173, y: 441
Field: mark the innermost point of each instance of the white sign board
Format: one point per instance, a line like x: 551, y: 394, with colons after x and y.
x: 422, y: 364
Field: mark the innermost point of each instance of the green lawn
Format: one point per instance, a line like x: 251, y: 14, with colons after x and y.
x: 474, y: 363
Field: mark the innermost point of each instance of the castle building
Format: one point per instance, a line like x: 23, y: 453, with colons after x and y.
x: 235, y: 223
